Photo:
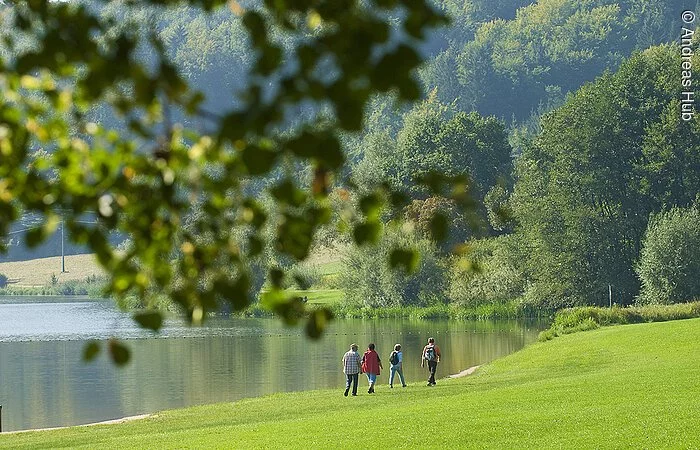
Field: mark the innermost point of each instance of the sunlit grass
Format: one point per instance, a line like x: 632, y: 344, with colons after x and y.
x: 632, y: 386
x: 320, y: 296
x: 330, y: 268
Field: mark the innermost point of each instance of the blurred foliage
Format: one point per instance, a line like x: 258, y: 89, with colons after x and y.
x: 152, y: 149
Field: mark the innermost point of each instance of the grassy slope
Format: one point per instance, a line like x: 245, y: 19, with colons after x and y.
x: 320, y: 296
x: 633, y: 386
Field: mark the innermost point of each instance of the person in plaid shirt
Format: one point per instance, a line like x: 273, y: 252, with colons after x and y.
x: 351, y: 368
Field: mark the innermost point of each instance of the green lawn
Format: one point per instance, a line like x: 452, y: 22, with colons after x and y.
x: 320, y: 296
x: 631, y: 386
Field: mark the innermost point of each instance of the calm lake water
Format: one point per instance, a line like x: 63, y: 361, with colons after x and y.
x: 44, y: 383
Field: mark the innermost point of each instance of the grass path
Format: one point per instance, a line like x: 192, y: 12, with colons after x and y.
x: 632, y: 386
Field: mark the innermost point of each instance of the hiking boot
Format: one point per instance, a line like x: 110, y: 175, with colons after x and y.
x: 391, y: 386
x: 346, y: 392
x: 403, y: 385
x: 354, y: 395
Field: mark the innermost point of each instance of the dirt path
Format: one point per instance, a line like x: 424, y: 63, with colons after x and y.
x: 106, y: 422
x: 465, y: 372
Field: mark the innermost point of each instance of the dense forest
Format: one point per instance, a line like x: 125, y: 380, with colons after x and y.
x: 566, y: 118
x: 562, y: 114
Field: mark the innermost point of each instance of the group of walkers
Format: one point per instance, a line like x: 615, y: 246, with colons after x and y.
x: 371, y: 364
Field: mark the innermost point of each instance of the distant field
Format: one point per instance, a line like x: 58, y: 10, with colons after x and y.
x: 37, y: 272
x: 321, y: 296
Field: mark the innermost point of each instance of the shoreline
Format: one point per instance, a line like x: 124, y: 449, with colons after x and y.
x: 104, y: 422
x: 463, y: 373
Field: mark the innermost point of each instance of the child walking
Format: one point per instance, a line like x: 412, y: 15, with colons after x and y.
x: 396, y: 360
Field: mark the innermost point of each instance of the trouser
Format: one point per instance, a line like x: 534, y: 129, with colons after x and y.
x: 393, y: 371
x: 432, y: 367
x: 351, y: 379
x: 372, y: 378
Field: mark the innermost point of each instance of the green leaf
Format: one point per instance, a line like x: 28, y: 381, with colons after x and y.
x: 408, y: 259
x: 371, y: 205
x: 276, y: 277
x: 286, y: 192
x: 295, y: 235
x: 255, y: 24
x: 399, y: 199
x: 318, y: 321
x: 257, y: 160
x: 289, y: 308
x: 303, y: 282
x: 234, y: 292
x: 152, y: 320
x: 255, y: 245
x: 254, y: 213
x: 439, y: 226
x: 367, y: 233
x: 322, y: 146
x: 119, y: 353
x: 35, y: 236
x: 91, y: 350
x: 270, y: 58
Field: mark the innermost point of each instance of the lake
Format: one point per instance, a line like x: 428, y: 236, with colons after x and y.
x: 44, y: 383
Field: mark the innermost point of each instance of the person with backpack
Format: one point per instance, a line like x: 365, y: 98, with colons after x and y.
x: 351, y: 368
x: 396, y: 361
x: 371, y: 365
x: 431, y: 354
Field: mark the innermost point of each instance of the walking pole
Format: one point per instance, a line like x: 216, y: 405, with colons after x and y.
x: 0, y: 418
x: 610, y: 294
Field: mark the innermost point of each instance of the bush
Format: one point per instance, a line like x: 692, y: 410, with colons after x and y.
x: 3, y: 280
x: 303, y: 276
x: 512, y: 310
x: 330, y: 281
x: 669, y: 266
x: 572, y: 320
x: 368, y: 280
x: 491, y: 275
x: 422, y: 213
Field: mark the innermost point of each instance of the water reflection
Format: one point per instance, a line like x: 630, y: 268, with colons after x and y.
x: 43, y: 382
